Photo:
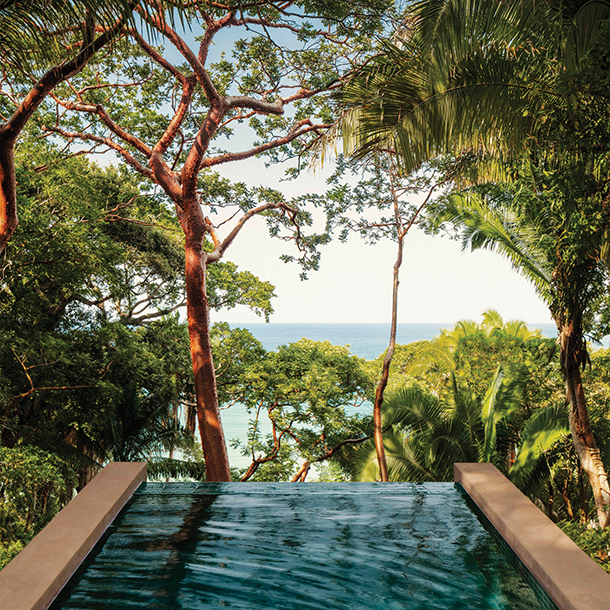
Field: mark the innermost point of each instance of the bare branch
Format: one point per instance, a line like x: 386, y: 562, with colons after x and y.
x: 301, y: 129
x: 130, y: 159
x: 221, y: 248
x: 100, y: 111
x: 131, y: 321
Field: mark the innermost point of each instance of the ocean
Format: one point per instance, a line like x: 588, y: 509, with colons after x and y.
x: 364, y: 340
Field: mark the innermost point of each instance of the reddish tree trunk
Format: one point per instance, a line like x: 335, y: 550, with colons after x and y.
x: 572, y: 356
x: 8, y: 199
x: 198, y: 315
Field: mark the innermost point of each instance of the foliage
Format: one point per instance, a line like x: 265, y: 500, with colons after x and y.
x: 34, y: 485
x: 310, y: 392
x: 508, y: 78
x: 467, y: 396
x: 34, y: 32
x: 400, y: 370
x: 93, y: 363
x: 426, y: 436
x: 135, y: 272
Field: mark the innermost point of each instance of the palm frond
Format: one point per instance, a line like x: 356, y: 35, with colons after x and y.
x: 543, y: 430
x: 504, y: 231
x: 32, y: 31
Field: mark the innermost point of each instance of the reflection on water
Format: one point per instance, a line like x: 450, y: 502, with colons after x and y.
x: 299, y: 546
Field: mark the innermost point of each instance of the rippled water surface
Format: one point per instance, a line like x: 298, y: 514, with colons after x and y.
x: 360, y: 546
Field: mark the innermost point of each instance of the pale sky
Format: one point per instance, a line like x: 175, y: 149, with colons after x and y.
x: 439, y: 282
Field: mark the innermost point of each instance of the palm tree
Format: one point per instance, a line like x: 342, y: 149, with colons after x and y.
x: 555, y: 240
x: 516, y: 81
x: 32, y: 30
x: 480, y: 76
x: 425, y: 434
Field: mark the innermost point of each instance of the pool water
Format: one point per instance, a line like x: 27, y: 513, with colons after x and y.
x: 363, y: 546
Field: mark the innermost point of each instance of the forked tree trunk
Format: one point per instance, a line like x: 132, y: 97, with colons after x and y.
x: 572, y: 356
x: 198, y: 315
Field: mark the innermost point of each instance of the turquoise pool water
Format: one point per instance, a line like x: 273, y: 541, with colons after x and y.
x: 363, y: 546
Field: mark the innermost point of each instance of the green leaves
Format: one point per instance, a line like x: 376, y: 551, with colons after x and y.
x: 475, y: 75
x: 34, y: 485
x: 542, y: 431
x: 466, y: 396
x: 307, y: 390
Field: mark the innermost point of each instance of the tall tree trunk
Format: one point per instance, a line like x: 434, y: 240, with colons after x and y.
x: 387, y: 361
x: 401, y: 232
x: 198, y: 315
x: 572, y: 356
x: 8, y: 199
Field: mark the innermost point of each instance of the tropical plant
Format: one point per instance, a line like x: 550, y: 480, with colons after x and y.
x: 448, y: 410
x: 429, y: 434
x: 518, y: 91
x: 34, y: 32
x: 34, y: 485
x: 494, y: 77
x: 553, y: 229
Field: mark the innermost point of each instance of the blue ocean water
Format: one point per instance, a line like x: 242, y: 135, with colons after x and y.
x: 365, y: 340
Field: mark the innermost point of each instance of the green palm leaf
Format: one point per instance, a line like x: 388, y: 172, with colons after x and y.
x: 543, y: 430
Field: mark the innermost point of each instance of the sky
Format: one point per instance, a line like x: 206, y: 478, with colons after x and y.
x: 439, y: 282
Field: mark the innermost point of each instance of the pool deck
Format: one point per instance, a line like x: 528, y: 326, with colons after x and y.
x: 34, y: 578
x: 570, y: 577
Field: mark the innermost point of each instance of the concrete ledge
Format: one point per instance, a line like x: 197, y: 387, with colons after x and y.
x: 570, y: 577
x: 33, y: 579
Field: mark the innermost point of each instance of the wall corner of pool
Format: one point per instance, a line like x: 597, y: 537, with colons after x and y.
x: 33, y: 579
x: 569, y: 576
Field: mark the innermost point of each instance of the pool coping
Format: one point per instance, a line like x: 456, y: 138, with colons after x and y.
x: 569, y: 576
x: 34, y: 578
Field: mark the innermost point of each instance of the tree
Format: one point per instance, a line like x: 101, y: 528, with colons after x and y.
x: 32, y: 31
x: 445, y: 413
x: 34, y: 34
x: 93, y: 363
x: 380, y: 205
x: 34, y: 485
x: 553, y: 230
x: 524, y: 83
x: 172, y: 144
x: 490, y: 77
x: 428, y: 435
x: 307, y: 390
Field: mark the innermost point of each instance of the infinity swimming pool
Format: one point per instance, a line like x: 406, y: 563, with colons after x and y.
x: 311, y: 546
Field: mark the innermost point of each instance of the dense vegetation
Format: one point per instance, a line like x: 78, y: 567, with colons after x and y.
x: 502, y: 107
